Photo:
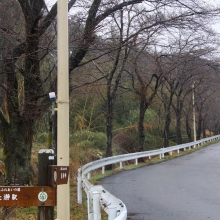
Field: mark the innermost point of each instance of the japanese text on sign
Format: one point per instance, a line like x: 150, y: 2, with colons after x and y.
x: 6, y: 196
x: 7, y: 189
x: 9, y: 197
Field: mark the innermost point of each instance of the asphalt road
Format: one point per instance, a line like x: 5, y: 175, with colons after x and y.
x: 185, y: 188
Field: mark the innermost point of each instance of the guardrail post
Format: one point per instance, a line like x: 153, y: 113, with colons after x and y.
x: 136, y: 161
x: 88, y: 175
x: 103, y: 170
x: 89, y: 204
x: 162, y: 154
x: 121, y: 166
x: 79, y: 187
x: 96, y: 206
x: 112, y: 212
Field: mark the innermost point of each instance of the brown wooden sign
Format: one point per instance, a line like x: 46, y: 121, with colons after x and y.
x: 58, y: 175
x: 27, y: 196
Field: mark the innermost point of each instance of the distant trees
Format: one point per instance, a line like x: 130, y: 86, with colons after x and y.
x: 205, y: 94
x: 145, y: 79
x: 183, y: 64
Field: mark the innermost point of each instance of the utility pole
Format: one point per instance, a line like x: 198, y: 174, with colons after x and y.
x: 194, y: 111
x: 63, y: 197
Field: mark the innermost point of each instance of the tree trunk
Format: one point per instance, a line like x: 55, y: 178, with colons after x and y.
x: 109, y: 134
x: 188, y: 129
x: 141, y: 135
x: 216, y: 129
x: 178, y: 110
x: 166, y: 130
x: 17, y: 151
x: 109, y: 126
x: 204, y: 129
x: 178, y: 128
x: 199, y: 128
x: 167, y: 101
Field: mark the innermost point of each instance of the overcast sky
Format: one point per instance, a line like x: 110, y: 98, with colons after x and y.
x: 214, y: 2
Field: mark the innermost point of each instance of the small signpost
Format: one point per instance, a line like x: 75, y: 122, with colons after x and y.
x: 27, y: 196
x: 45, y: 194
x: 58, y: 175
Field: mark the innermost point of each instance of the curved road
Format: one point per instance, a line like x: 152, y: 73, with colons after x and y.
x: 185, y: 188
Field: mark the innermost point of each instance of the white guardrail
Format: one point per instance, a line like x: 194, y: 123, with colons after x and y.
x: 98, y: 197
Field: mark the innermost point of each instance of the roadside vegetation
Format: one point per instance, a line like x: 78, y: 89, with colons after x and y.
x: 78, y: 211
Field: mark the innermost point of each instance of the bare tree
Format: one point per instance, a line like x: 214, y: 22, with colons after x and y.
x: 205, y: 94
x: 25, y: 85
x: 24, y: 60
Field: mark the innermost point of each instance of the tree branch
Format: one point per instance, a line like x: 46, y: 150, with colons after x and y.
x: 91, y: 22
x: 114, y: 9
x: 25, y: 6
x: 51, y: 16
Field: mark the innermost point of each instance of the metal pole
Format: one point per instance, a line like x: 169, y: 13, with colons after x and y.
x: 194, y: 111
x: 112, y: 212
x: 96, y: 206
x: 63, y: 197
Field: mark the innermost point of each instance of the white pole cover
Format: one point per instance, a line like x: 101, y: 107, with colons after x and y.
x: 63, y: 197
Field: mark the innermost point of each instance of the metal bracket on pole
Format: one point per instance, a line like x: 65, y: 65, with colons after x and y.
x: 62, y: 101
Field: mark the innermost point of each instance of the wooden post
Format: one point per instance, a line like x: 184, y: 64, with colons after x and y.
x: 45, y: 158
